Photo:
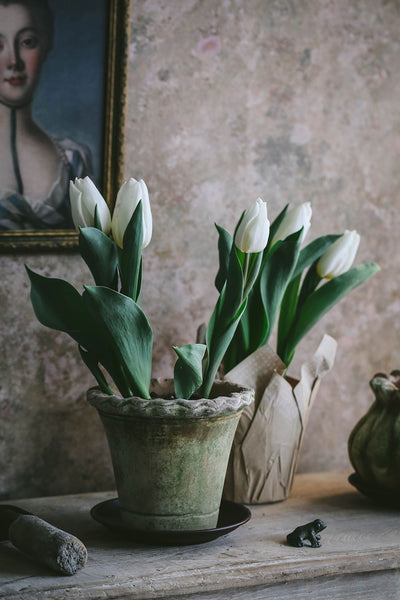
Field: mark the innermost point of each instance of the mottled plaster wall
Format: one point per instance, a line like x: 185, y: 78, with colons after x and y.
x: 289, y: 100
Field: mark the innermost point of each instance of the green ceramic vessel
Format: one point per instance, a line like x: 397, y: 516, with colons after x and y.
x: 374, y: 443
x: 170, y: 455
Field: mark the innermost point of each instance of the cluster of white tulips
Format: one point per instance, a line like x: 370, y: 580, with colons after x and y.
x: 264, y: 275
x: 290, y: 282
x: 253, y: 231
x: 251, y: 235
x: 112, y: 331
x: 271, y: 291
x: 86, y: 200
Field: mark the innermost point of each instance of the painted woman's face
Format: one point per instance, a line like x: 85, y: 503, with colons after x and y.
x: 22, y: 52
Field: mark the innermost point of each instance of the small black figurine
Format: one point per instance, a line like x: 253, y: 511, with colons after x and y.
x: 306, y: 532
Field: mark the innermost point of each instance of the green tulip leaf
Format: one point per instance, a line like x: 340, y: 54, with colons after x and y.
x: 310, y: 283
x: 238, y: 223
x: 100, y: 254
x: 96, y: 218
x: 234, y: 287
x: 218, y: 337
x: 322, y: 300
x: 188, y: 369
x: 292, y: 299
x: 264, y: 300
x: 91, y: 362
x: 254, y: 263
x: 130, y: 256
x: 274, y: 228
x: 229, y: 299
x: 287, y: 313
x: 58, y: 305
x: 250, y: 332
x: 225, y: 243
x: 129, y: 334
x: 230, y: 306
x: 275, y: 275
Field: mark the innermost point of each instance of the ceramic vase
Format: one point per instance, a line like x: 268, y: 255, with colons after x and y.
x: 268, y: 440
x: 170, y: 455
x: 374, y: 443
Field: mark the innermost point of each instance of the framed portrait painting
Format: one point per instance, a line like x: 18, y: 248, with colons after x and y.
x: 63, y: 86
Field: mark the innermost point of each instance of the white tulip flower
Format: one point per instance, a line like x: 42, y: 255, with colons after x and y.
x: 128, y: 197
x: 85, y: 197
x: 253, y: 231
x: 340, y: 256
x: 295, y: 218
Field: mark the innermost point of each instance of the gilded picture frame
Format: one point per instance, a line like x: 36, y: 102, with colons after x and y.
x: 99, y: 118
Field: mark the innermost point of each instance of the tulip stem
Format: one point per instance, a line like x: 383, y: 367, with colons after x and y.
x: 245, y: 269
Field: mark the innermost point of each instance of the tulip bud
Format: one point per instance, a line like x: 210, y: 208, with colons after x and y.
x: 295, y: 218
x: 128, y: 197
x: 253, y: 230
x: 340, y: 256
x: 84, y: 198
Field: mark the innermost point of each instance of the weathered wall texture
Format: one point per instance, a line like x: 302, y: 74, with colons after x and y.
x: 289, y: 100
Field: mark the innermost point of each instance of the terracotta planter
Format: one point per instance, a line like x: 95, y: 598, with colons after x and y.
x: 268, y: 439
x: 170, y: 455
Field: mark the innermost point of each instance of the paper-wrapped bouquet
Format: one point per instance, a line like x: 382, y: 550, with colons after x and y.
x: 294, y: 287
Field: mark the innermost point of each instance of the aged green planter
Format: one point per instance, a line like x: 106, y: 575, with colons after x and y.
x: 374, y: 443
x: 170, y: 455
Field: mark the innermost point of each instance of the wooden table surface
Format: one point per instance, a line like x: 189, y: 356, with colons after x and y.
x: 359, y: 557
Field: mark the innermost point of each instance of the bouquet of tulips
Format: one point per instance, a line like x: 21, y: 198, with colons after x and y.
x: 294, y: 286
x: 107, y: 321
x: 262, y: 273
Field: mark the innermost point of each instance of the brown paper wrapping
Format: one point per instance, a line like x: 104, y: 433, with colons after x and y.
x: 268, y: 439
